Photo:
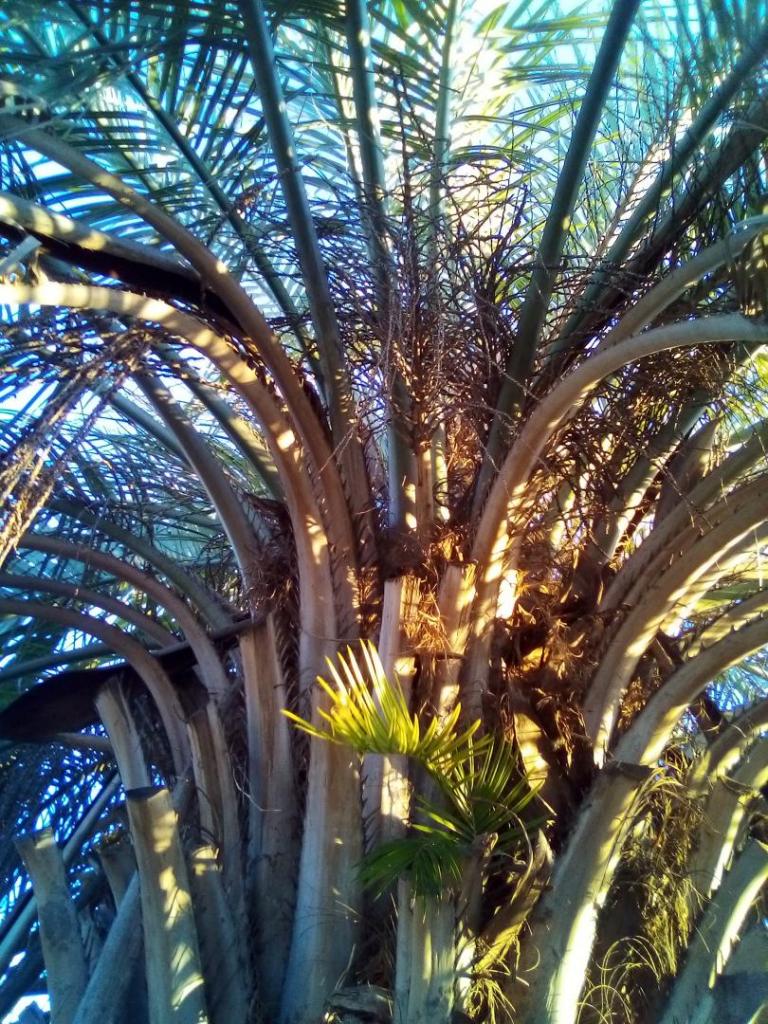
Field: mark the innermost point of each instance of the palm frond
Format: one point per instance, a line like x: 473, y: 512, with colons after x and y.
x: 369, y: 713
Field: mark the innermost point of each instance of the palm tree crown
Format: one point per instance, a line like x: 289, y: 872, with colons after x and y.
x: 439, y: 325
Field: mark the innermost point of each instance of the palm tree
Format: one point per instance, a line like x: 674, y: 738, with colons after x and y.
x: 438, y: 325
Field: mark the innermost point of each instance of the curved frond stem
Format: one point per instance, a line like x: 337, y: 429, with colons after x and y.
x: 733, y: 617
x: 547, y: 267
x: 499, y: 530
x: 717, y: 934
x: 688, y: 466
x: 335, y: 382
x: 228, y: 507
x: 207, y: 179
x: 309, y: 534
x: 401, y: 463
x: 690, y: 509
x: 31, y: 584
x: 724, y: 820
x: 240, y: 431
x: 442, y: 140
x: 187, y: 584
x: 682, y: 152
x: 673, y: 591
x: 135, y: 414
x: 646, y: 738
x: 358, y: 32
x: 213, y: 773
x: 34, y: 666
x: 670, y: 288
x: 216, y: 277
x: 746, y: 136
x: 726, y: 750
x: 205, y: 653
x: 150, y: 671
x: 607, y: 532
x: 507, y: 493
x: 47, y: 225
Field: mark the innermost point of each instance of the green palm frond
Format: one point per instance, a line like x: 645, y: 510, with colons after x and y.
x: 482, y: 800
x: 429, y: 858
x: 484, y: 793
x: 480, y: 794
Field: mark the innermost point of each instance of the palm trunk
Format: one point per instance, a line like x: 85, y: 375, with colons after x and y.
x: 387, y: 790
x: 65, y: 963
x: 227, y: 982
x: 117, y: 717
x: 426, y: 953
x: 273, y: 814
x: 426, y: 958
x: 115, y: 855
x: 116, y: 992
x: 171, y: 951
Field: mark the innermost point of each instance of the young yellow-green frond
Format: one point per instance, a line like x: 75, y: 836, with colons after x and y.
x: 369, y: 712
